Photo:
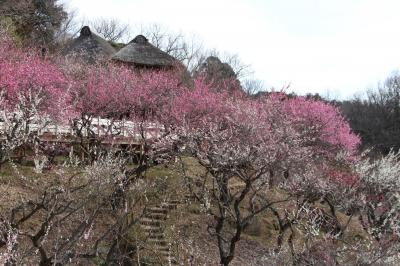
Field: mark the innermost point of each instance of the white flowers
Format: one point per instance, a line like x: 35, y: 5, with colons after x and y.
x: 10, y: 237
x: 384, y: 171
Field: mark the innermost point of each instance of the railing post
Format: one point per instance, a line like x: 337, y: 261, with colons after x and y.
x: 123, y: 127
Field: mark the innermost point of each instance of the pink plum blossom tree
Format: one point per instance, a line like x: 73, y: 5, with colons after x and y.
x: 33, y: 93
x: 244, y: 144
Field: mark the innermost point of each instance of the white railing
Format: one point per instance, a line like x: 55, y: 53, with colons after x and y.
x: 123, y: 130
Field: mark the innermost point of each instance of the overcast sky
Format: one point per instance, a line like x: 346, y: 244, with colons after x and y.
x: 336, y: 46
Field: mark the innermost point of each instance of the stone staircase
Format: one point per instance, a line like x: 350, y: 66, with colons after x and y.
x: 153, y: 224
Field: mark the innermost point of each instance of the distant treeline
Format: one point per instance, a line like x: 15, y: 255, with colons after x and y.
x: 376, y: 116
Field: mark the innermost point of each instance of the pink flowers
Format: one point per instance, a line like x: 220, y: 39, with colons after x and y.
x: 27, y: 75
x: 342, y: 177
x: 271, y: 129
x: 326, y: 120
x: 116, y: 91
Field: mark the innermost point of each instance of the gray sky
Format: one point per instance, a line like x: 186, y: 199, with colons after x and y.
x: 336, y: 46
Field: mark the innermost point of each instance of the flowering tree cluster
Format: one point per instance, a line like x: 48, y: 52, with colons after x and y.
x: 326, y: 120
x: 118, y: 94
x: 249, y: 149
x: 33, y: 93
x: 65, y: 221
x: 247, y: 145
x: 68, y: 209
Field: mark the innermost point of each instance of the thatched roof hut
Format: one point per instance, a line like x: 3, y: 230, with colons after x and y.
x: 220, y: 75
x: 140, y: 53
x: 215, y: 69
x: 90, y: 47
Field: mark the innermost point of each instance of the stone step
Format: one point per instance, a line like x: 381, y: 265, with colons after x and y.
x: 159, y: 242
x: 157, y: 210
x: 156, y: 216
x: 151, y: 222
x: 165, y: 250
x: 163, y: 204
x: 169, y: 206
x: 159, y: 236
x: 152, y: 229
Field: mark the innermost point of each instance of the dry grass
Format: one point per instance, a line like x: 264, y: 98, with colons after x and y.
x: 186, y: 227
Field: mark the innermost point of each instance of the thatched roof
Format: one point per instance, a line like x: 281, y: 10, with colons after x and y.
x: 215, y: 69
x: 140, y: 52
x: 90, y: 47
x: 220, y: 75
